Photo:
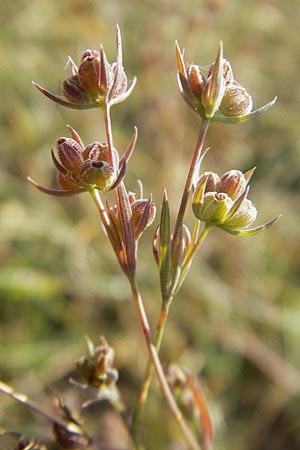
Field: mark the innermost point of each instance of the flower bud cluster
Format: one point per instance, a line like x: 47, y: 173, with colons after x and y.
x: 217, y: 96
x: 84, y: 168
x: 222, y: 201
x: 95, y: 83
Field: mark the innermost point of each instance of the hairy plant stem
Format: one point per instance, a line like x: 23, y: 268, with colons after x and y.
x: 190, y: 438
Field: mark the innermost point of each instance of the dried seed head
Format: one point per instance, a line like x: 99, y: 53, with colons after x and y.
x: 72, y: 435
x: 97, y: 369
x: 26, y: 443
x: 96, y: 82
x: 70, y: 438
x: 81, y: 169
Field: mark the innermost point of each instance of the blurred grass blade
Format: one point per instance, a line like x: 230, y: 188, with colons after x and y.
x: 206, y: 427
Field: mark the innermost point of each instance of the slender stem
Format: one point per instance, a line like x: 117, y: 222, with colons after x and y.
x: 190, y: 256
x: 190, y: 178
x: 158, y: 368
x: 160, y: 328
x: 109, y: 137
x: 21, y: 398
x: 98, y: 202
x: 144, y: 389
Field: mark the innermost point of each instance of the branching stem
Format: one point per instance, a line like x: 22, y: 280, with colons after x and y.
x: 194, y: 167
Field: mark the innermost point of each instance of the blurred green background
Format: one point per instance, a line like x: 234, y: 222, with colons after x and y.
x: 236, y: 322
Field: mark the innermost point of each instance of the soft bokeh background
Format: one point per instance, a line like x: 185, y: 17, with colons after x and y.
x: 236, y: 322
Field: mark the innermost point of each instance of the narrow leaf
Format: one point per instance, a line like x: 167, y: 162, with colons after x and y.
x: 112, y: 230
x: 119, y: 64
x: 131, y: 145
x: 76, y: 136
x: 241, y: 119
x: 164, y: 246
x: 104, y: 75
x: 61, y: 100
x: 56, y: 192
x: 251, y: 231
x: 125, y: 214
x: 248, y: 174
x: 120, y: 177
x: 180, y: 62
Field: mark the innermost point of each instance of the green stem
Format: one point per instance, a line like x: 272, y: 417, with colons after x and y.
x: 193, y: 444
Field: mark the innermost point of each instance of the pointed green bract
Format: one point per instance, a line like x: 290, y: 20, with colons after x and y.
x: 164, y: 246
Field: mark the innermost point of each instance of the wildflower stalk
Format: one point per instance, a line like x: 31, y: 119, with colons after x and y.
x: 98, y: 202
x: 144, y: 389
x: 160, y: 329
x: 152, y: 347
x: 220, y: 202
x: 107, y: 122
x: 190, y: 178
x: 167, y: 393
x: 190, y: 255
x: 166, y: 301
